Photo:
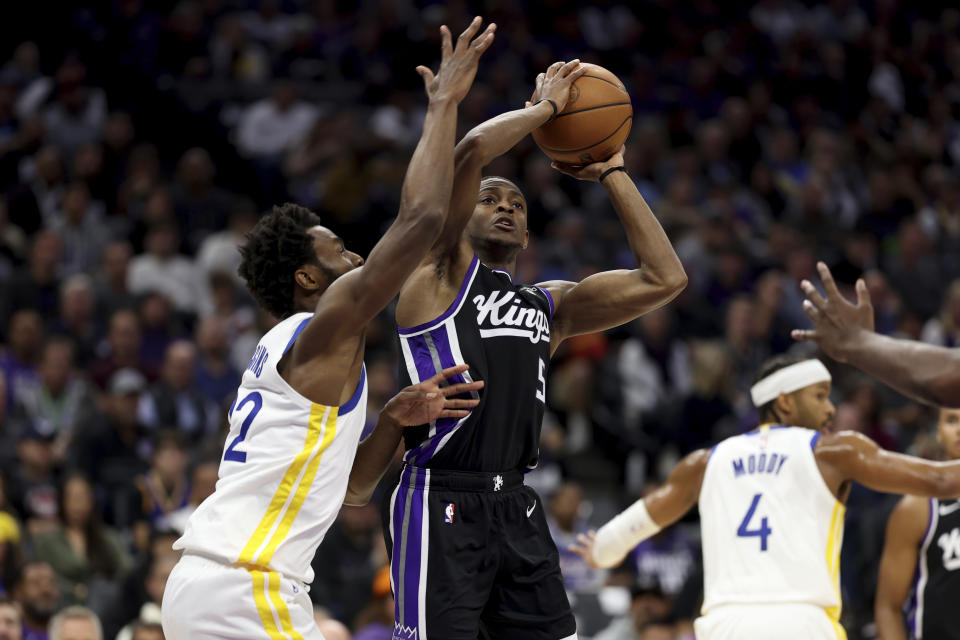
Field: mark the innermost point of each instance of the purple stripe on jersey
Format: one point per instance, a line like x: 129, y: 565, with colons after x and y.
x: 398, y: 511
x: 422, y: 359
x: 549, y: 299
x: 453, y: 306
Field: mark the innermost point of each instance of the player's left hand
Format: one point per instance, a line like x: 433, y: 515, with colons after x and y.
x: 427, y: 401
x: 836, y: 321
x: 591, y: 172
x: 583, y: 547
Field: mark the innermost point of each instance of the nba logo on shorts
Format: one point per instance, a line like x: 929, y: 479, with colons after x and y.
x: 448, y: 514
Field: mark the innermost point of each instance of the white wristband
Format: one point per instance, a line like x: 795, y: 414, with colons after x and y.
x: 628, y: 529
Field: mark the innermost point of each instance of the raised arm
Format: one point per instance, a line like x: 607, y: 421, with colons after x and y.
x: 612, y: 298
x: 905, y: 531
x: 362, y: 293
x: 417, y: 404
x: 664, y: 506
x: 845, y: 332
x: 849, y: 455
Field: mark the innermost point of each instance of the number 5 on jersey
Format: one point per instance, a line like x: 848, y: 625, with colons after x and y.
x: 744, y: 530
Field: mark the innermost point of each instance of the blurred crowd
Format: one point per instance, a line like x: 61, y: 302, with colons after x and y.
x: 140, y: 140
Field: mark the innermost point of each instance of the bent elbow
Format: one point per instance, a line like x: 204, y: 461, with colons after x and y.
x: 470, y: 148
x: 678, y: 282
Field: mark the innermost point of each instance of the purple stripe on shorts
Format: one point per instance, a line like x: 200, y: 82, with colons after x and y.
x: 413, y: 535
x: 398, y: 511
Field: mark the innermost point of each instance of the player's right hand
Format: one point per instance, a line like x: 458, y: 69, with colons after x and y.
x: 458, y: 66
x: 554, y: 84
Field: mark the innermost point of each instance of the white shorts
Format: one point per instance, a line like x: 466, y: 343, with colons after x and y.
x: 207, y: 600
x: 768, y: 621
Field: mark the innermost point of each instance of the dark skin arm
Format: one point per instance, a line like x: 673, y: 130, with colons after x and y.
x: 905, y: 531
x: 666, y: 505
x: 417, y: 404
x: 435, y: 283
x: 612, y: 298
x: 848, y: 455
x: 332, y: 341
x: 844, y: 331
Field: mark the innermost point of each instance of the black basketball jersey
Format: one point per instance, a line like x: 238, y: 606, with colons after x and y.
x: 502, y: 330
x: 937, y: 589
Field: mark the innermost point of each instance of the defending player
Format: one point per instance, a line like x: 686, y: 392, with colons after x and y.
x: 921, y: 559
x: 772, y: 509
x: 300, y: 408
x: 471, y: 551
x: 845, y: 333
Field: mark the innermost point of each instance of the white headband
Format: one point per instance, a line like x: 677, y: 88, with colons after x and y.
x: 787, y: 380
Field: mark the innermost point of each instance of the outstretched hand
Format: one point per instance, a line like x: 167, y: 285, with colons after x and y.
x: 836, y: 321
x: 591, y: 172
x: 458, y: 66
x: 427, y: 401
x: 583, y: 547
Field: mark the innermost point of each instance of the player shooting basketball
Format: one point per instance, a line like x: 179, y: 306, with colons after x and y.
x: 490, y: 566
x: 300, y: 408
x: 772, y: 510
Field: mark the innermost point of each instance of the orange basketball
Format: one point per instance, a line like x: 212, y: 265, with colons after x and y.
x: 594, y: 124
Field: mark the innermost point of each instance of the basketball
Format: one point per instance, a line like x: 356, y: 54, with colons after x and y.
x: 593, y: 125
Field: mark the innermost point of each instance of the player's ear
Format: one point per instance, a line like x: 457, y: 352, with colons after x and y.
x: 526, y: 239
x: 305, y: 279
x: 785, y: 405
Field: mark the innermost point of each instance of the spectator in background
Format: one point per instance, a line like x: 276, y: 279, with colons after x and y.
x: 142, y: 583
x: 78, y: 113
x: 11, y: 550
x: 86, y: 556
x: 174, y: 402
x: 200, y: 207
x: 154, y: 585
x: 33, y: 481
x: 10, y: 625
x: 37, y: 286
x: 203, y: 482
x: 943, y: 329
x: 110, y: 283
x: 81, y: 231
x: 78, y: 319
x: 18, y: 363
x: 164, y: 488
x: 122, y: 348
x: 35, y: 201
x: 215, y: 377
x: 650, y: 611
x: 161, y: 324
x: 53, y: 407
x: 220, y: 251
x: 76, y: 623
x: 147, y: 631
x: 38, y: 595
x: 161, y: 269
x: 110, y: 447
x: 565, y: 523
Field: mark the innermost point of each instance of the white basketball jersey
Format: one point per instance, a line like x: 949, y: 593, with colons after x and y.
x: 772, y: 529
x: 284, y: 471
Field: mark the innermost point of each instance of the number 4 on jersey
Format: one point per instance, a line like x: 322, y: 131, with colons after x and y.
x: 763, y: 532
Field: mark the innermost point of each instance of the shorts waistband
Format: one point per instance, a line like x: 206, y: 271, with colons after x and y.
x: 480, y: 481
x: 213, y: 559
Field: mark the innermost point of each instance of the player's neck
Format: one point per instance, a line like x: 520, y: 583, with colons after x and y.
x: 497, y: 256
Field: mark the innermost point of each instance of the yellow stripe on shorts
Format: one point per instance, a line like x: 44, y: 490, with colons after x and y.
x: 329, y: 432
x: 318, y: 414
x: 273, y: 580
x: 833, y: 565
x: 263, y: 606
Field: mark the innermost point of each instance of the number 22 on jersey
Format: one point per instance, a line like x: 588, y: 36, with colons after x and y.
x: 744, y: 530
x: 231, y: 453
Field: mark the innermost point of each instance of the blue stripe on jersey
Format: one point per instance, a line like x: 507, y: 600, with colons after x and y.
x: 431, y: 353
x: 549, y: 299
x: 296, y: 333
x: 813, y: 441
x: 349, y: 405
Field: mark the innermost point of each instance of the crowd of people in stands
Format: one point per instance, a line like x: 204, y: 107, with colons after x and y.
x: 140, y: 140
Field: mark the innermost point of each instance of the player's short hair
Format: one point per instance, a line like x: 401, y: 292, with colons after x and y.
x: 276, y: 247
x: 74, y: 613
x: 500, y: 179
x: 769, y: 367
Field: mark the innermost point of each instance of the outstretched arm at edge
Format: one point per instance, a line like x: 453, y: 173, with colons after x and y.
x: 905, y: 531
x: 609, y: 546
x: 845, y: 332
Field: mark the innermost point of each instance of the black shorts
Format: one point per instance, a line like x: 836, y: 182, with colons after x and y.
x: 471, y: 557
